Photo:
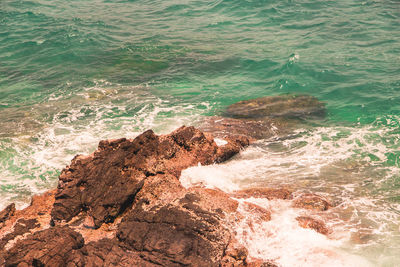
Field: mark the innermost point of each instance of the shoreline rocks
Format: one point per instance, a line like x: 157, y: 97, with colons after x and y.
x: 128, y: 194
x: 123, y: 205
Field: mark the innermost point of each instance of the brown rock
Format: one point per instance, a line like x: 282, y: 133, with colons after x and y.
x: 215, y: 200
x: 7, y: 213
x: 235, y: 255
x: 22, y: 226
x: 107, y: 252
x: 180, y: 233
x: 259, y: 214
x: 261, y: 263
x: 263, y: 192
x: 311, y: 202
x: 311, y: 223
x: 50, y: 247
x: 105, y: 183
x: 126, y: 201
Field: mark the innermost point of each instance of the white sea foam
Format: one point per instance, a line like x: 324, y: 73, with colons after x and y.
x: 346, y: 164
x: 283, y: 241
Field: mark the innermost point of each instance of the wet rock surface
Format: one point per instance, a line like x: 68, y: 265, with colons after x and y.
x: 312, y: 223
x: 288, y: 106
x: 264, y: 192
x: 254, y: 129
x: 312, y: 202
x: 267, y: 117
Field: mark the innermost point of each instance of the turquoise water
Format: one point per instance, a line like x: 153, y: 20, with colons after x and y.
x: 75, y: 72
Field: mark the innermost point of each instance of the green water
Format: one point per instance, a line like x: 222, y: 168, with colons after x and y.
x: 74, y: 72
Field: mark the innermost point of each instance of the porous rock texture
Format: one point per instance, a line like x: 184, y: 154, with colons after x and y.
x: 123, y: 205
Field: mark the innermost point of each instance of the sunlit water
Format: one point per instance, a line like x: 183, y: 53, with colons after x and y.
x: 75, y: 72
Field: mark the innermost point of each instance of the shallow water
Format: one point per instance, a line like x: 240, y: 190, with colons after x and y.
x: 75, y: 72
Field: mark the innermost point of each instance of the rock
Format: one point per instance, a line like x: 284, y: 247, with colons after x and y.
x: 187, y: 231
x: 287, y: 106
x: 311, y: 223
x: 123, y: 205
x: 50, y: 247
x: 235, y: 255
x: 263, y: 192
x: 22, y: 226
x: 254, y: 129
x: 261, y: 263
x: 311, y: 202
x: 258, y: 213
x: 108, y: 252
x: 7, y: 213
x: 105, y: 183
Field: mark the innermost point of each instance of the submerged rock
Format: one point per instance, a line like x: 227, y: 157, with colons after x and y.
x: 312, y: 223
x: 263, y: 118
x: 254, y: 129
x: 288, y: 106
x: 312, y: 202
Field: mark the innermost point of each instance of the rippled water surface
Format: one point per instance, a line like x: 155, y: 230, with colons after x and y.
x: 74, y: 72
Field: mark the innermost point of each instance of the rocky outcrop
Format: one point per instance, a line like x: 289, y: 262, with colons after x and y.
x: 124, y: 205
x: 128, y: 194
x: 105, y: 183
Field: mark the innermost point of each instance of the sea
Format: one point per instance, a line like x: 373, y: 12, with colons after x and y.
x: 76, y: 72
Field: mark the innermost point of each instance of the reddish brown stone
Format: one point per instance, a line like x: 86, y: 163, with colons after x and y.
x: 261, y: 263
x: 215, y: 200
x: 259, y: 214
x: 235, y: 255
x: 186, y: 231
x: 311, y: 202
x: 311, y: 223
x: 22, y: 226
x: 7, y: 213
x: 264, y: 192
x: 105, y: 183
x: 51, y: 247
x: 126, y: 201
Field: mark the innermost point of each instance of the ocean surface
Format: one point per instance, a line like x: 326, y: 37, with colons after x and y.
x: 75, y: 72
